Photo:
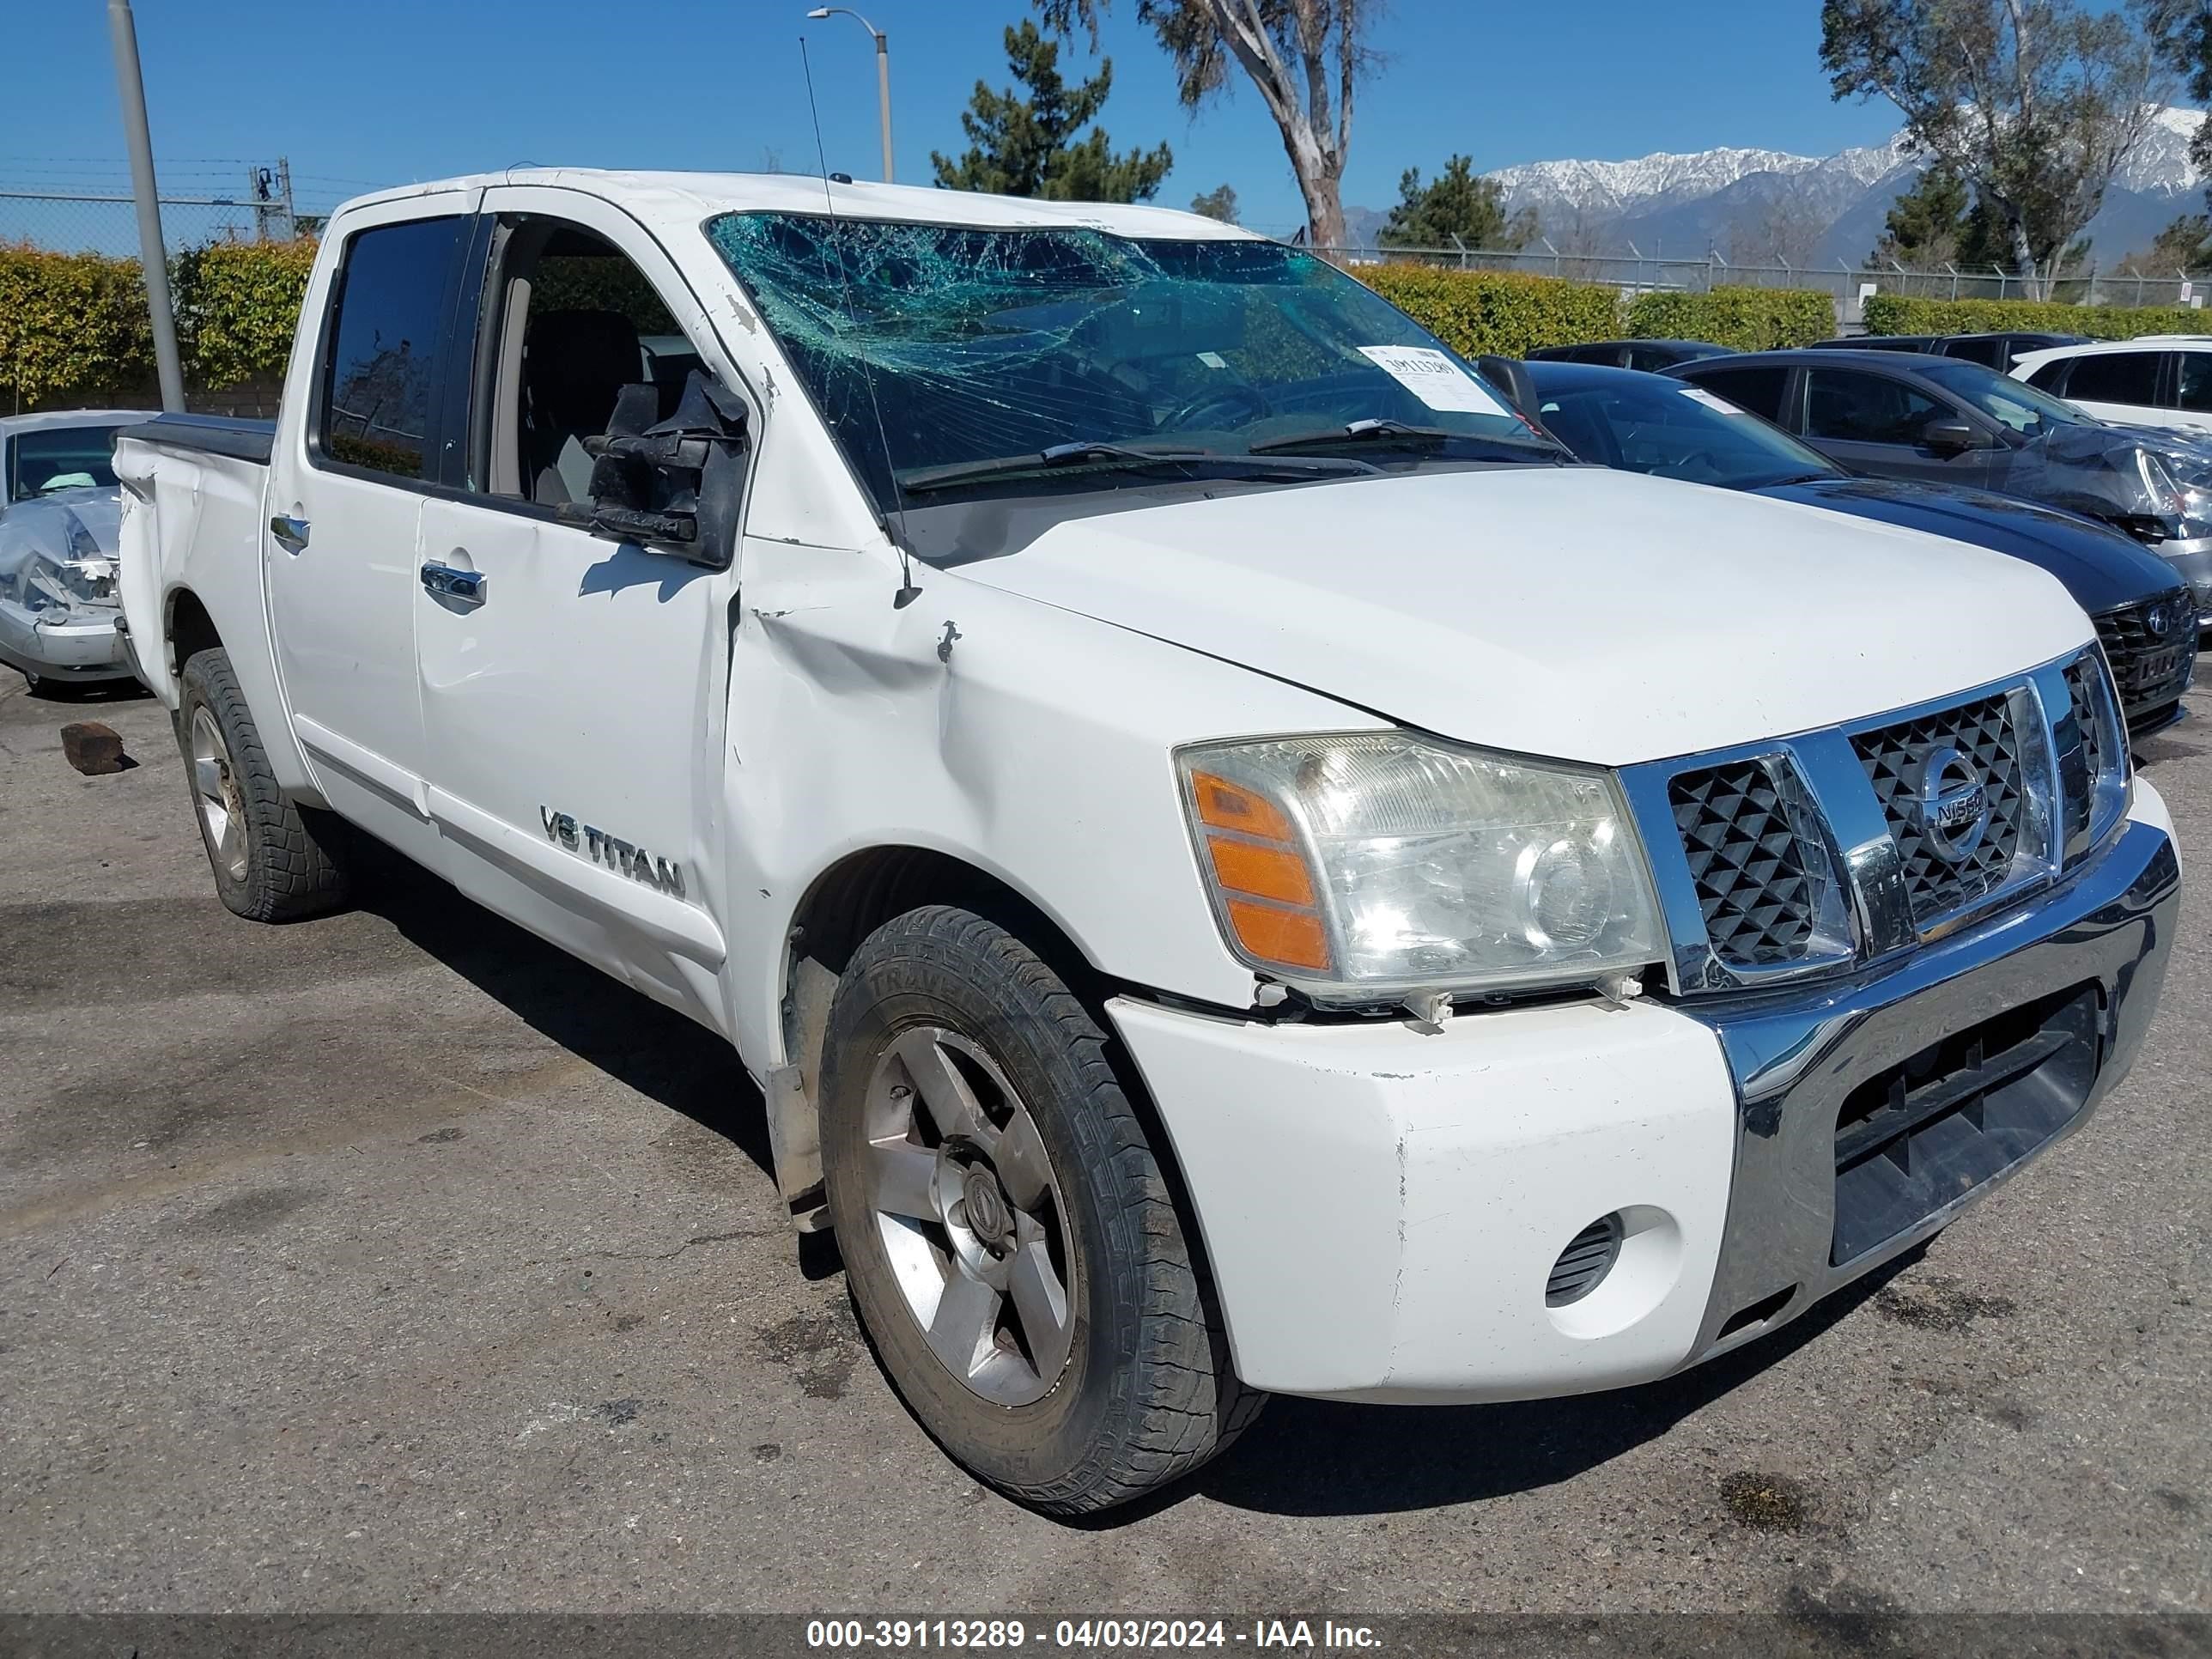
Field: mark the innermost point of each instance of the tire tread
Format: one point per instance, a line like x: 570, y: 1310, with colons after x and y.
x: 1179, y: 1401
x: 291, y: 874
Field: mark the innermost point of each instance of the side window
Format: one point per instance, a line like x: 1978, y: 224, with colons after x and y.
x: 2115, y: 377
x: 2051, y: 376
x: 1759, y: 390
x: 572, y: 328
x: 1849, y: 407
x: 2195, y: 382
x: 381, y: 364
x: 1985, y: 351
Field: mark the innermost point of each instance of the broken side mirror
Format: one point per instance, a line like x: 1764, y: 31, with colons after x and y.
x: 678, y: 484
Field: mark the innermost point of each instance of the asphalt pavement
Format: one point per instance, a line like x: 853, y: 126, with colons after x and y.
x: 396, y: 1260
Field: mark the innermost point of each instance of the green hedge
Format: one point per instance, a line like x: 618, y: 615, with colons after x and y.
x: 1746, y: 319
x: 1475, y: 312
x: 237, y: 305
x: 74, y: 328
x: 1895, y: 313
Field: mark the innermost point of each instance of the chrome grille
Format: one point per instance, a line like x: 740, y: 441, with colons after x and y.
x: 1895, y: 756
x: 2080, y: 692
x: 1808, y: 855
x: 1758, y: 891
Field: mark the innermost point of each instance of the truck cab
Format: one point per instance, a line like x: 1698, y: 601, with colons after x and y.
x: 1236, y: 864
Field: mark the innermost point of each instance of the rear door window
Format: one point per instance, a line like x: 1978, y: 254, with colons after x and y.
x: 2051, y: 376
x: 381, y: 369
x: 2115, y: 377
x: 1848, y: 407
x: 1986, y: 351
x: 1758, y: 389
x: 2196, y: 387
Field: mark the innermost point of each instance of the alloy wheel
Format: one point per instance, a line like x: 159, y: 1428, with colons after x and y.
x: 970, y: 1211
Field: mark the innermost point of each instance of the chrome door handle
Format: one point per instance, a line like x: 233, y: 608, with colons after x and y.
x: 290, y: 533
x: 448, y: 583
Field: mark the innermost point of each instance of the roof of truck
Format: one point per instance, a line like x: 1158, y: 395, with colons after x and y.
x: 689, y: 197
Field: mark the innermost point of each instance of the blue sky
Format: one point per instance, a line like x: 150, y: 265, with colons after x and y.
x: 360, y: 95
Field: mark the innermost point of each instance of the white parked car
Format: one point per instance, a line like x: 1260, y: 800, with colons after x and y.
x: 1235, y: 865
x: 2158, y: 380
x: 58, y: 513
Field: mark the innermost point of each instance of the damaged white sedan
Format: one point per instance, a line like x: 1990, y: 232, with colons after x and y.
x: 58, y: 607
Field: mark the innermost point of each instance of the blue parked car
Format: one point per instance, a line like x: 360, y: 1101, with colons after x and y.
x: 1639, y: 422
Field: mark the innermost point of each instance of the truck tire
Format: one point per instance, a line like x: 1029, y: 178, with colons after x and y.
x: 1009, y: 1237
x: 268, y: 865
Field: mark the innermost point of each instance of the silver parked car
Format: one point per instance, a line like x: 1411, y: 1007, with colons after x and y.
x: 59, y: 508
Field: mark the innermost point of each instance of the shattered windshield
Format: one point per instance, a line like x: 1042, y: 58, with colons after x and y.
x: 931, y: 349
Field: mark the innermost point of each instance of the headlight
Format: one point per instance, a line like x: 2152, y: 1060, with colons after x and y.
x: 1363, y: 867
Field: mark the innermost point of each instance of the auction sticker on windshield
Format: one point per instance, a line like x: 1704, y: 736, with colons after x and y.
x: 1710, y: 401
x: 1434, y: 378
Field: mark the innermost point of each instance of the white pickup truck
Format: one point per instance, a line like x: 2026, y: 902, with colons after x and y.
x: 1236, y: 866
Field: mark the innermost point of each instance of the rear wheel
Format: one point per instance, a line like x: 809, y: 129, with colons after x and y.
x: 268, y: 866
x: 1007, y: 1231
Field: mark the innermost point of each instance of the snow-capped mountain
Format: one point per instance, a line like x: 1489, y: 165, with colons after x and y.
x: 1826, y: 207
x: 1625, y: 187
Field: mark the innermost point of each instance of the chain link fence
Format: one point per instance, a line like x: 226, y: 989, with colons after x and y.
x: 1850, y: 286
x: 85, y: 207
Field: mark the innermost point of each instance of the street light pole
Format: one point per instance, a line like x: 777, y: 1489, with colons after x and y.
x: 883, y: 73
x: 153, y: 260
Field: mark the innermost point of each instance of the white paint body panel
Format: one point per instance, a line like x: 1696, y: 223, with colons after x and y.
x: 1381, y: 1207
x: 1578, y: 613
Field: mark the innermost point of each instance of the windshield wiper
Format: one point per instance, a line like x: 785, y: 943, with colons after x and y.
x: 1108, y: 457
x: 1402, y: 435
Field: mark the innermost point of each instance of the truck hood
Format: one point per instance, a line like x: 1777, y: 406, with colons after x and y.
x: 1573, y: 612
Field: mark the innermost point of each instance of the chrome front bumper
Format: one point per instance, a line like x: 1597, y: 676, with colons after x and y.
x: 2106, y: 929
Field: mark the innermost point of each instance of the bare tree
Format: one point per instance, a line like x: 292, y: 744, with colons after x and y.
x: 2035, y: 103
x: 1305, y: 56
x: 1781, y: 230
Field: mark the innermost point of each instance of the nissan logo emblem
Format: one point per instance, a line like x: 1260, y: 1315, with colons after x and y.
x: 1954, y: 806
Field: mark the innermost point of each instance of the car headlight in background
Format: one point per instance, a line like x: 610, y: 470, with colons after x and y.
x: 1362, y: 866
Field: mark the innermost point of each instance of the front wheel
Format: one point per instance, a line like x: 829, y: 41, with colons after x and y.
x: 1007, y: 1231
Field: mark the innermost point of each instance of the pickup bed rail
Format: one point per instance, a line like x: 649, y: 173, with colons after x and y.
x: 215, y: 435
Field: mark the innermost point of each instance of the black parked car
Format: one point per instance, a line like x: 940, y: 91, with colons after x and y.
x: 1631, y: 353
x: 1897, y: 415
x: 1997, y: 351
x: 1650, y: 423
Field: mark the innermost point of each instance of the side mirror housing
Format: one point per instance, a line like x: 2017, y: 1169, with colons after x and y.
x: 677, y: 484
x: 1951, y: 437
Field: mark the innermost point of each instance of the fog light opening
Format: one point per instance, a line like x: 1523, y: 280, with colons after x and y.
x: 1584, y: 1263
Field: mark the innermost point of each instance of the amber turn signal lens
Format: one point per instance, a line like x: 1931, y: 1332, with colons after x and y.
x: 1293, y: 938
x: 1223, y: 806
x: 1267, y: 890
x: 1274, y: 872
